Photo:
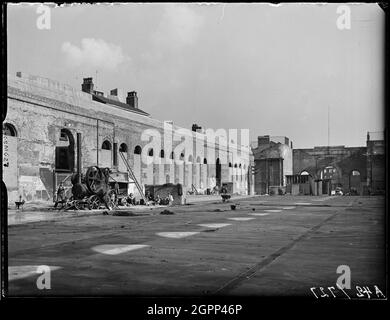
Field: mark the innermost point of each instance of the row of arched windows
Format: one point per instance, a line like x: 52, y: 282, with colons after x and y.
x: 107, y: 146
x: 9, y: 130
x: 138, y: 150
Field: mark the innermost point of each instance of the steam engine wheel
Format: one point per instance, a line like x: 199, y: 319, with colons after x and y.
x: 95, y: 180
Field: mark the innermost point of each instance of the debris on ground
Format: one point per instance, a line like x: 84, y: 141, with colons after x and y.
x: 166, y: 211
x: 233, y: 206
x: 105, y: 213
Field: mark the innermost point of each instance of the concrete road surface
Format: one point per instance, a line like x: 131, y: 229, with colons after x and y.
x: 268, y: 246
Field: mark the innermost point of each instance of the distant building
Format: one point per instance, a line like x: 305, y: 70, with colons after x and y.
x: 376, y: 162
x: 273, y: 162
x: 355, y: 170
x: 319, y: 170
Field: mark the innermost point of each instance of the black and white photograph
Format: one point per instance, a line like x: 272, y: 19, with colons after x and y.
x: 194, y: 150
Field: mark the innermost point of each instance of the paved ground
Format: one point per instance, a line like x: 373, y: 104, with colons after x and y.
x: 267, y: 246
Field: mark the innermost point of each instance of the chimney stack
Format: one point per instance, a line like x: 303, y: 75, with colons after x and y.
x: 132, y: 99
x: 87, y: 85
x: 261, y: 140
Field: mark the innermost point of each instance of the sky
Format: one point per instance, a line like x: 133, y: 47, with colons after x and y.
x: 275, y: 70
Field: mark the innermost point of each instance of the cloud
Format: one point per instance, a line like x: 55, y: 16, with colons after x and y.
x: 179, y: 26
x: 94, y: 53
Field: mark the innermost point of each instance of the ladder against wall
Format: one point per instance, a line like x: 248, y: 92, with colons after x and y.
x: 132, y: 176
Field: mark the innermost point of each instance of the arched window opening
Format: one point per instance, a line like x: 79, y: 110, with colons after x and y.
x: 172, y: 155
x: 230, y: 164
x: 9, y: 130
x: 150, y: 153
x: 162, y: 153
x: 123, y: 147
x: 106, y: 145
x: 137, y: 150
x: 204, y: 161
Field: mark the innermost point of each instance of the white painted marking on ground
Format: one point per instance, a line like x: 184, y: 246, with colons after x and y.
x: 288, y: 208
x: 241, y: 219
x: 114, y: 249
x: 303, y: 203
x: 176, y: 235
x: 20, y: 272
x: 215, y: 225
x: 272, y: 210
x: 259, y: 214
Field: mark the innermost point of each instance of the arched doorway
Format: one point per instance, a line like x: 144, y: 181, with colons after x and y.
x: 65, y: 152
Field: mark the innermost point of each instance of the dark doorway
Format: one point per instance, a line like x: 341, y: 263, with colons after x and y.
x: 218, y: 173
x: 326, y: 186
x: 65, y: 152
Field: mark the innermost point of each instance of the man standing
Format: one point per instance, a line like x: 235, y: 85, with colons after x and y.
x: 170, y: 199
x: 60, y: 194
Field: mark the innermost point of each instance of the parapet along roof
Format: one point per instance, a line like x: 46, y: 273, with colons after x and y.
x: 125, y: 106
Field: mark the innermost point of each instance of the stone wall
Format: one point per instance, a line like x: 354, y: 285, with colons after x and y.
x: 40, y: 108
x: 344, y: 160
